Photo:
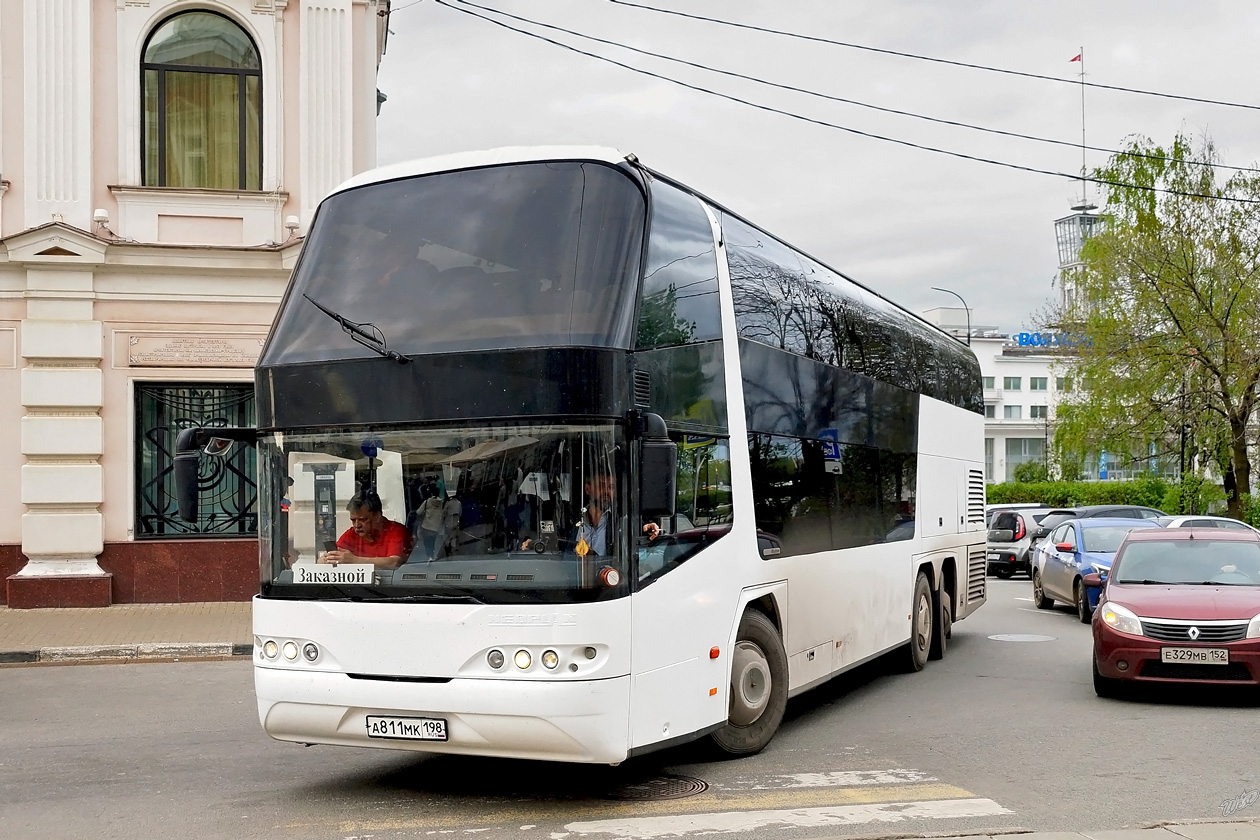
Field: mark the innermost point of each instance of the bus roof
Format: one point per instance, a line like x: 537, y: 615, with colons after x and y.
x: 485, y: 157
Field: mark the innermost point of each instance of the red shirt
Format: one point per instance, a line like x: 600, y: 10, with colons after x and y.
x: 393, y: 541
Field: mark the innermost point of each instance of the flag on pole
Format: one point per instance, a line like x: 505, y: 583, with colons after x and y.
x: 1078, y: 57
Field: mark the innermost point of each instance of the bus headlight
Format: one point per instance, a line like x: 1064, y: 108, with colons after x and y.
x: 550, y: 660
x: 311, y: 651
x: 495, y: 659
x: 270, y: 649
x: 522, y: 659
x: 290, y: 650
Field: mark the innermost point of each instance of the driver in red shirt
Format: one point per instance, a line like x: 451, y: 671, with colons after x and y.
x: 371, y: 537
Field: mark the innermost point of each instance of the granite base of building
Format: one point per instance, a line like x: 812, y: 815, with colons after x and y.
x: 141, y: 572
x: 31, y: 592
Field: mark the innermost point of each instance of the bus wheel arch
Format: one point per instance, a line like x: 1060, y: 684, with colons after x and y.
x: 759, y: 686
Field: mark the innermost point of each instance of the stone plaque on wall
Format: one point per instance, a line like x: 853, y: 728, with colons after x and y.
x: 193, y: 350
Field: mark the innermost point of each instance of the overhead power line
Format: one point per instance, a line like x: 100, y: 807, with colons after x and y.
x: 826, y: 124
x: 917, y: 57
x: 843, y: 100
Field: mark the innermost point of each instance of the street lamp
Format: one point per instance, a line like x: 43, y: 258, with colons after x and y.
x: 965, y: 308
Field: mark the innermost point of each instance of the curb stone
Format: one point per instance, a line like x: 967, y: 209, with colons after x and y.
x: 117, y: 653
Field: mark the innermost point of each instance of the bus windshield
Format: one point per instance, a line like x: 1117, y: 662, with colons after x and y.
x: 527, y: 255
x: 516, y: 513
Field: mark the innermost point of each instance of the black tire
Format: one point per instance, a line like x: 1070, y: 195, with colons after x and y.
x: 1083, y: 611
x: 1005, y: 574
x: 759, y: 687
x: 1040, y: 601
x: 1106, y: 686
x: 922, y: 623
x: 940, y: 632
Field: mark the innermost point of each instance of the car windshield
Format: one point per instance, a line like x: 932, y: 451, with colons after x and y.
x: 1104, y: 540
x: 509, y: 513
x: 1197, y: 561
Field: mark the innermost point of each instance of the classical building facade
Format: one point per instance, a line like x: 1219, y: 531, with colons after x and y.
x: 159, y: 163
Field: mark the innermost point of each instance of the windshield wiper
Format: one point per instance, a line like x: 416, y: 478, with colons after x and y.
x: 373, y: 340
x: 427, y: 597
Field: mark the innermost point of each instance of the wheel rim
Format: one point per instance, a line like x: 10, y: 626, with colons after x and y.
x: 923, y: 624
x: 1038, y: 595
x: 750, y: 684
x: 1081, y: 605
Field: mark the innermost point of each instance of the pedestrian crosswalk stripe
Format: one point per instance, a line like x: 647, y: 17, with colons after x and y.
x: 646, y: 828
x: 837, y: 778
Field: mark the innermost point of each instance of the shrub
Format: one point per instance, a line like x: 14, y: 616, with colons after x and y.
x: 1147, y: 491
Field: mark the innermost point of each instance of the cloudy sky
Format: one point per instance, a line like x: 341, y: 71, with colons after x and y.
x: 898, y: 219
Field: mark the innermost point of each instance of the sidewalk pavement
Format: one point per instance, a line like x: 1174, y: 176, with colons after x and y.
x: 1224, y: 830
x: 125, y: 632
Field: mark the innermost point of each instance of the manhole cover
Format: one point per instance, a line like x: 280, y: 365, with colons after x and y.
x: 660, y: 787
x: 1021, y: 637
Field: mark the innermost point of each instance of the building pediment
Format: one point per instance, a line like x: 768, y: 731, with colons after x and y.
x: 55, y: 243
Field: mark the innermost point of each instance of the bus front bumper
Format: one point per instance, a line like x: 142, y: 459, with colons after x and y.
x: 570, y: 720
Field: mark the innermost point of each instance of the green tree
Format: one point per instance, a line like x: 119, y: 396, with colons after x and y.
x: 1168, y: 299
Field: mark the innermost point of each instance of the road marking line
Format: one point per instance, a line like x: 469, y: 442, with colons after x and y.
x: 839, y: 778
x: 729, y: 822
x: 761, y: 801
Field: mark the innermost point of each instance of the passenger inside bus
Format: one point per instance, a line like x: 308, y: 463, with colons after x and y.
x: 371, y: 537
x: 592, y: 534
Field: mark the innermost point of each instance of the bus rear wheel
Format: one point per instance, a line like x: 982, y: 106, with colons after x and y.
x: 759, y: 682
x: 922, y: 623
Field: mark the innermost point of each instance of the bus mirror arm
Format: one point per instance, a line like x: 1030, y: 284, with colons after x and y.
x: 658, y: 468
x: 189, y: 445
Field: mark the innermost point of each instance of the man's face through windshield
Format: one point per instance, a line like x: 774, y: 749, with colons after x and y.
x: 366, y: 524
x: 600, y: 490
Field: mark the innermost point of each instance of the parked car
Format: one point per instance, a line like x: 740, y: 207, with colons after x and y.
x: 1180, y: 605
x: 1058, y: 516
x: 1073, y: 550
x: 1206, y: 522
x: 1011, y: 540
x: 991, y: 510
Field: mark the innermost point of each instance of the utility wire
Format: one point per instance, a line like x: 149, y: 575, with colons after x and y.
x: 829, y: 97
x: 932, y: 58
x: 825, y: 124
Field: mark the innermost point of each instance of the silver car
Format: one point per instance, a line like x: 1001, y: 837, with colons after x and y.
x: 1012, y: 535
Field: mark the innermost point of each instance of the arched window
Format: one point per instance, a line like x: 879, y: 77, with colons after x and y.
x: 201, y: 83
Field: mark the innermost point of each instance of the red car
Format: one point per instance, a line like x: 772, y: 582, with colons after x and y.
x: 1179, y: 606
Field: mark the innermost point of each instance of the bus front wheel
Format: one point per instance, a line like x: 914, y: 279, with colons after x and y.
x: 759, y: 683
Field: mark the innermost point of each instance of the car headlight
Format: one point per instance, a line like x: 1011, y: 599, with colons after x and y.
x: 1119, y: 618
x: 1100, y: 569
x: 1253, y: 629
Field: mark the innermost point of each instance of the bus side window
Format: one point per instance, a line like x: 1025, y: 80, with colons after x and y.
x: 702, y: 510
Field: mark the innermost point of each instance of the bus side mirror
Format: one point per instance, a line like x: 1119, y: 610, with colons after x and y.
x: 187, y: 465
x: 658, y: 469
x: 189, y: 446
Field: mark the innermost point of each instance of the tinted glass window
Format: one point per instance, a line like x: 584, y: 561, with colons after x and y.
x: 680, y: 290
x: 531, y: 255
x: 789, y: 301
x: 816, y: 496
x: 1190, y: 562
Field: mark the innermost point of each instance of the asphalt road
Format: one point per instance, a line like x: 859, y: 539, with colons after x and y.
x: 999, y: 735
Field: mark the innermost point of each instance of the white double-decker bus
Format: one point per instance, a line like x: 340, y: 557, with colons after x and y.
x: 659, y: 471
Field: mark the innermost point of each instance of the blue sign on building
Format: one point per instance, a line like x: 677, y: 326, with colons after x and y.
x: 1102, y: 466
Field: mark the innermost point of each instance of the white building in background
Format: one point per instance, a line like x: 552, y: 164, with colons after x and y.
x: 159, y: 163
x: 1022, y: 385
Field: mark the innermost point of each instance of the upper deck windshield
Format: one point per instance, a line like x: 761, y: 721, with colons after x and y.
x: 518, y: 513
x: 525, y: 255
